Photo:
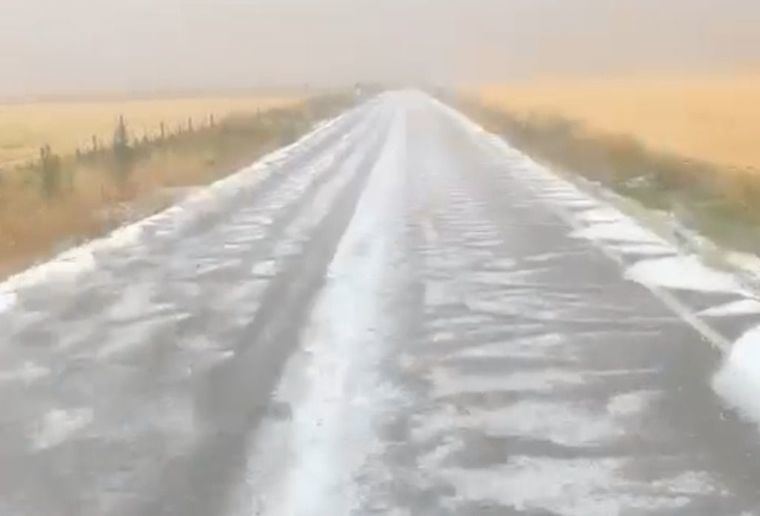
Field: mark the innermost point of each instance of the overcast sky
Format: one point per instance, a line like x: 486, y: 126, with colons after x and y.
x: 71, y: 46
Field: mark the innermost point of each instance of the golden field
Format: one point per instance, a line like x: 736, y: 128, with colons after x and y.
x: 715, y: 119
x: 68, y: 125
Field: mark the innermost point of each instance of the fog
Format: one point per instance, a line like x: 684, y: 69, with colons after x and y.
x: 79, y: 46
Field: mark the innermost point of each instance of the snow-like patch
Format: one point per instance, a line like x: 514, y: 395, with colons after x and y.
x: 28, y: 372
x: 535, y: 346
x: 683, y: 273
x: 463, y: 321
x: 447, y: 382
x: 645, y: 249
x: 630, y: 403
x: 134, y: 302
x: 441, y: 293
x: 690, y: 483
x: 572, y: 487
x: 579, y: 203
x: 738, y: 379
x: 431, y: 461
x: 202, y: 352
x: 133, y: 337
x: 7, y: 300
x: 743, y: 261
x: 600, y: 215
x: 60, y: 425
x: 336, y: 396
x: 619, y: 231
x: 546, y: 257
x: 500, y: 264
x: 265, y: 268
x: 740, y: 307
x: 562, y: 423
x: 504, y: 278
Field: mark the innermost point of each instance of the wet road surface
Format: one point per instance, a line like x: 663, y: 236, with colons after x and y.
x: 399, y: 314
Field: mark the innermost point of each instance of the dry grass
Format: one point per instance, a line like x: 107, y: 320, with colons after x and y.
x: 66, y: 126
x: 722, y: 202
x: 95, y: 193
x: 712, y: 119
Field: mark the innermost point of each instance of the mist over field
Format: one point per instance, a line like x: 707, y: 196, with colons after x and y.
x: 84, y: 46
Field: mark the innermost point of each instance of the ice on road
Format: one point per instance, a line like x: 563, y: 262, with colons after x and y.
x: 398, y: 314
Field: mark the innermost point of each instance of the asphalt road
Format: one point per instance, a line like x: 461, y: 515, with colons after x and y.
x: 399, y: 314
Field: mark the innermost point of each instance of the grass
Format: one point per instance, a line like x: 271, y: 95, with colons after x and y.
x: 714, y: 119
x: 67, y: 126
x: 44, y: 210
x: 718, y: 200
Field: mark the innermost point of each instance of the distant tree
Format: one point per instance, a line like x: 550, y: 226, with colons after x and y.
x: 122, y: 152
x: 121, y: 136
x: 50, y: 171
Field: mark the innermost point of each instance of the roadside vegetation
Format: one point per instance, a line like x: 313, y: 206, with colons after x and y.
x: 63, y: 197
x: 712, y: 187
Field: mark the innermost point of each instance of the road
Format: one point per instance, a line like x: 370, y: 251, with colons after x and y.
x: 398, y: 314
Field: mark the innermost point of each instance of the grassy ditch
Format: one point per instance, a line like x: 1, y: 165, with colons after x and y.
x: 58, y: 201
x: 720, y: 202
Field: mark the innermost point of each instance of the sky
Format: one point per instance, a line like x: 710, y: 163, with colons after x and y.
x: 81, y: 46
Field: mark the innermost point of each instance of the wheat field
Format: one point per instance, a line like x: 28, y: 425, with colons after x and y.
x: 715, y: 119
x: 68, y: 125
